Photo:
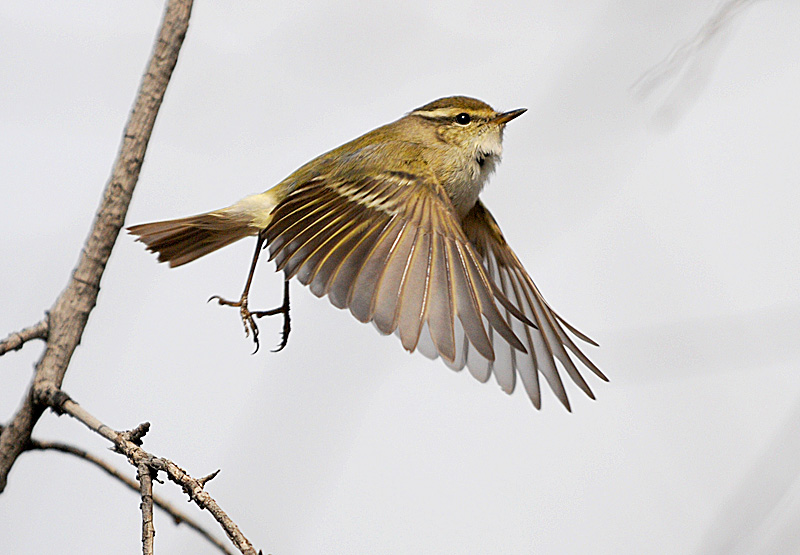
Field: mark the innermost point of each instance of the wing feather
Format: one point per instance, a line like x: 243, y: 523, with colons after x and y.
x: 391, y: 248
x: 467, y: 307
x: 343, y: 277
x: 440, y: 310
x: 311, y: 238
x: 387, y: 300
x: 526, y: 366
x: 316, y: 269
x: 546, y: 340
x: 361, y: 303
x: 504, y: 363
x: 412, y: 312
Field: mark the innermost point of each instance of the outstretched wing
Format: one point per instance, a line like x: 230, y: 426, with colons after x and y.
x: 545, y: 343
x: 389, y: 247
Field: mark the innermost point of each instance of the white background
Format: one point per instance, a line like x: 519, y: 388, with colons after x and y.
x: 672, y: 240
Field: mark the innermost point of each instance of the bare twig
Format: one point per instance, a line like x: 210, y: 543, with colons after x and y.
x: 135, y: 435
x: 178, y: 516
x: 16, y: 340
x: 688, y: 66
x: 61, y: 402
x: 69, y: 314
x: 205, y: 479
x: 145, y: 476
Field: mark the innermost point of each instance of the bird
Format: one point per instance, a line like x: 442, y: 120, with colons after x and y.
x: 390, y: 226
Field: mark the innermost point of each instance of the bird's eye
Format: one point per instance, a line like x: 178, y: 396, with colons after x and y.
x: 463, y: 118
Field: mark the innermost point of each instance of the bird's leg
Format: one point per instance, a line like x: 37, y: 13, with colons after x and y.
x: 287, y: 320
x: 244, y: 310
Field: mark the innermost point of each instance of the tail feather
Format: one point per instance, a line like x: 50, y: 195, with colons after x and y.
x: 187, y: 239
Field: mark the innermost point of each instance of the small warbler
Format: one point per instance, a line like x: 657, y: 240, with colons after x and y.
x: 390, y: 226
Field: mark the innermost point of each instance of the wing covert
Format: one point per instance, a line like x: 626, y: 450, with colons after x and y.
x: 389, y: 247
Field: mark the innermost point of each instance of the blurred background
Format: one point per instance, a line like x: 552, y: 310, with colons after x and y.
x: 656, y: 209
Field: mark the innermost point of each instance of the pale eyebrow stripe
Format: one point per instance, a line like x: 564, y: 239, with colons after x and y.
x: 435, y: 114
x: 447, y: 114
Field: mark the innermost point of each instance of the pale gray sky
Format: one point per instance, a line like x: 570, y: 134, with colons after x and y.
x: 676, y: 246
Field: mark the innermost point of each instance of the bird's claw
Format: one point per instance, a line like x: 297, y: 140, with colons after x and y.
x: 248, y: 322
x: 287, y: 324
x: 248, y: 319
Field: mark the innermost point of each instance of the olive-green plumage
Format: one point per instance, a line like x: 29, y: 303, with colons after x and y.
x: 389, y: 225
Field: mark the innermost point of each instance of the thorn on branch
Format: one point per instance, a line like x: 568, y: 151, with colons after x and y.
x: 205, y: 479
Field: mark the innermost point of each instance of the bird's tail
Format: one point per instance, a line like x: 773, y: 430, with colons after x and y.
x: 187, y: 239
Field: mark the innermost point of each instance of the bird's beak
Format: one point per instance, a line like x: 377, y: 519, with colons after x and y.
x: 505, y: 117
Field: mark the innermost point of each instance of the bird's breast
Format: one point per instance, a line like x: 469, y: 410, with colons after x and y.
x: 466, y: 180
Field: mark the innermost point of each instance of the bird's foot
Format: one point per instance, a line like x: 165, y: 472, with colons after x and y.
x: 249, y: 323
x: 248, y: 317
x: 287, y: 320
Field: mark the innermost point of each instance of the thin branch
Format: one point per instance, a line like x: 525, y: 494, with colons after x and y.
x: 687, y: 68
x: 123, y: 444
x: 70, y: 312
x: 178, y: 516
x: 205, y: 479
x: 145, y: 475
x: 17, y: 339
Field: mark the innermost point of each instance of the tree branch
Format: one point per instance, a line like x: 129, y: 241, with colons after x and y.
x: 126, y: 443
x: 17, y: 339
x: 145, y: 476
x: 178, y: 516
x: 69, y: 314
